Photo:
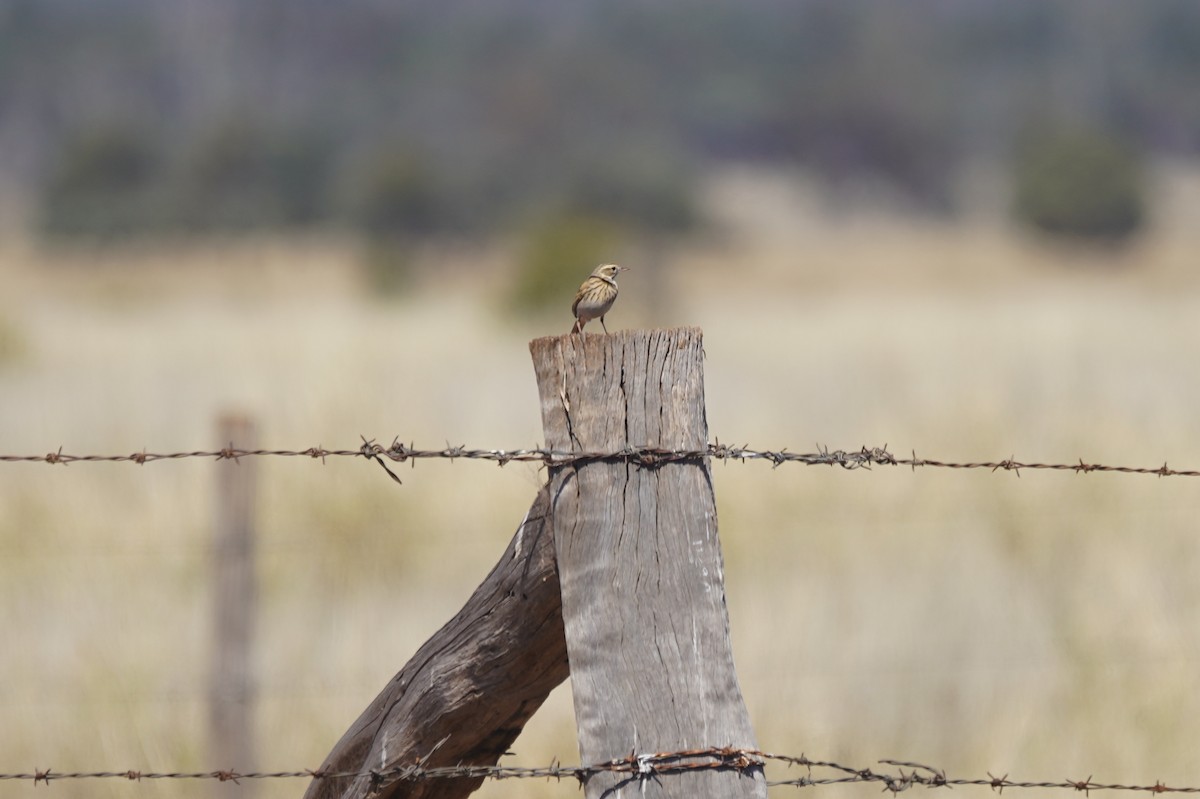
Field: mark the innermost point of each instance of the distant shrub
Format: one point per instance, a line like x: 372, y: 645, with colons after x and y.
x: 388, y: 264
x: 13, y: 345
x: 398, y: 197
x: 1084, y: 184
x: 113, y: 182
x: 651, y: 195
x: 100, y: 185
x: 395, y: 200
x: 558, y: 252
x: 240, y: 176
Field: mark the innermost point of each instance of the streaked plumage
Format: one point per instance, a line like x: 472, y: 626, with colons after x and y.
x: 596, y: 296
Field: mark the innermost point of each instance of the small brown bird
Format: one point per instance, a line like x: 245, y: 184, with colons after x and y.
x: 596, y: 296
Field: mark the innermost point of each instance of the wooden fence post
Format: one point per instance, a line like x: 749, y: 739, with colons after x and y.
x: 231, y: 688
x: 641, y: 595
x: 467, y: 692
x: 639, y: 562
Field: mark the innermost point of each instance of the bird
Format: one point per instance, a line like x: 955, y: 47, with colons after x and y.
x: 596, y: 296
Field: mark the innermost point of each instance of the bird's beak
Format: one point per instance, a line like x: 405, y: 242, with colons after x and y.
x: 622, y: 268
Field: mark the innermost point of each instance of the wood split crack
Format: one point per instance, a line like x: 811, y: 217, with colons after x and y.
x: 563, y: 398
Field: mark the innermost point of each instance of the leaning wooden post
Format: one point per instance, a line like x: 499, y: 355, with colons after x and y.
x: 639, y: 562
x: 465, y: 695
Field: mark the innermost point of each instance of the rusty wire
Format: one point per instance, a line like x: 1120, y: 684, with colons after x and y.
x: 894, y: 779
x: 398, y: 452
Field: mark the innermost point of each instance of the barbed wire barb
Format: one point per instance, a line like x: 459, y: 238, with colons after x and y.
x: 371, y: 451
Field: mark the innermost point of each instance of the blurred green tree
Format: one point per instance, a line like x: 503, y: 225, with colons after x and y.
x: 242, y: 176
x: 650, y: 194
x: 1081, y: 183
x: 13, y: 343
x: 396, y: 200
x: 100, y: 185
x: 398, y: 197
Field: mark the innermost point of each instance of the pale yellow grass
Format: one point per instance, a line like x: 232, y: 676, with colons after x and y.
x: 1043, y: 625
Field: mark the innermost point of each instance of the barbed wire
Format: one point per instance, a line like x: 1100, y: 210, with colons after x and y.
x: 638, y: 767
x: 398, y: 452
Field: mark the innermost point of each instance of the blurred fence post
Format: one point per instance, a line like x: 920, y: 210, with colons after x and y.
x: 235, y: 592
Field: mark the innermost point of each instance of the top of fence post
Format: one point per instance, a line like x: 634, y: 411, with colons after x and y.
x: 640, y: 563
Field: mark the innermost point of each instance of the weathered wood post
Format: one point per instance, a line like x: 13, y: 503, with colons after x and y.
x: 639, y: 562
x: 235, y: 593
x: 642, y: 601
x: 467, y: 692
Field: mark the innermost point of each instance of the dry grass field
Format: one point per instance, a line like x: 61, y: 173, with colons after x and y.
x: 1045, y: 625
